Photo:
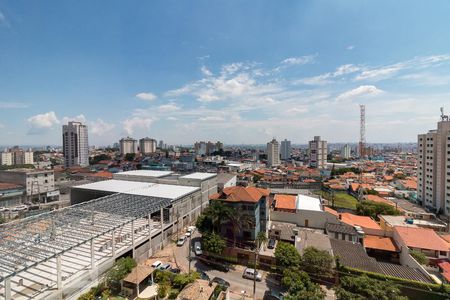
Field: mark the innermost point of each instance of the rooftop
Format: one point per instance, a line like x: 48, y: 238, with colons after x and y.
x: 114, y: 185
x: 363, y: 221
x: 422, y: 238
x: 401, y: 221
x: 198, y: 290
x: 380, y: 243
x: 199, y: 176
x: 241, y: 194
x: 9, y: 186
x: 285, y: 201
x: 312, y: 238
x: 147, y: 173
x: 308, y: 203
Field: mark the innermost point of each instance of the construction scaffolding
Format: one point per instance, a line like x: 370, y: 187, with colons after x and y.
x: 29, y: 242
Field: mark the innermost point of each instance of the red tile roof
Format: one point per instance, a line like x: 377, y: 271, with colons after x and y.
x: 422, y: 238
x: 376, y: 198
x: 331, y: 211
x: 241, y: 194
x: 363, y: 221
x: 8, y: 186
x: 380, y: 243
x: 445, y: 266
x: 285, y: 202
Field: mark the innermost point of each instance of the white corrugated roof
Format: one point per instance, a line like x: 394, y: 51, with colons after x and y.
x: 167, y: 191
x: 113, y: 185
x: 199, y: 175
x: 308, y: 203
x: 148, y: 173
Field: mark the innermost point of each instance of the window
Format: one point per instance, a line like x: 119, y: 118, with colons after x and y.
x: 336, y: 235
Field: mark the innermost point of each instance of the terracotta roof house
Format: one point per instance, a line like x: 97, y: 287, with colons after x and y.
x: 285, y: 203
x: 424, y: 240
x: 362, y: 221
x: 252, y: 202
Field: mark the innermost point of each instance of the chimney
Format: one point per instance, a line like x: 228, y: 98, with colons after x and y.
x: 340, y: 217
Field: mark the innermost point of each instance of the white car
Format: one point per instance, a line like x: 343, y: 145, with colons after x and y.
x: 181, y: 240
x: 156, y: 264
x: 249, y: 273
x: 2, y: 209
x: 21, y: 207
x: 198, y: 249
x: 191, y: 229
x: 188, y: 234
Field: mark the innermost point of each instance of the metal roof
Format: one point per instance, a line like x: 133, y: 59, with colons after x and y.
x: 199, y: 176
x: 27, y: 242
x: 114, y: 185
x: 146, y: 173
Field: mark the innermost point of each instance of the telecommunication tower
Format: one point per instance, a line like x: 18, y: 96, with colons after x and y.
x: 362, y: 131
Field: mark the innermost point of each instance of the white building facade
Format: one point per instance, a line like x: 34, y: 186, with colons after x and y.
x: 285, y: 149
x: 147, y: 145
x: 273, y: 153
x: 346, y: 151
x: 128, y: 145
x: 318, y: 153
x: 433, y: 168
x: 75, y: 145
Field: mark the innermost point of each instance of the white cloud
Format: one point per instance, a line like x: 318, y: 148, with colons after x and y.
x: 171, y: 119
x: 169, y: 107
x: 3, y: 20
x: 206, y: 71
x: 2, y: 126
x: 11, y: 105
x: 136, y: 123
x: 212, y: 119
x: 41, y: 123
x: 360, y: 91
x: 300, y: 60
x: 350, y: 47
x: 80, y: 118
x: 380, y: 73
x: 327, y: 78
x: 100, y: 127
x: 146, y: 96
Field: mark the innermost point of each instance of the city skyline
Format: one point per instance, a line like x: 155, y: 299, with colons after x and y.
x: 241, y: 74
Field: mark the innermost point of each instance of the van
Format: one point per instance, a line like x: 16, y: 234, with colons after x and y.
x: 249, y: 273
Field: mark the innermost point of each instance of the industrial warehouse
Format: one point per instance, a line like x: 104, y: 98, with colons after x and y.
x: 60, y: 254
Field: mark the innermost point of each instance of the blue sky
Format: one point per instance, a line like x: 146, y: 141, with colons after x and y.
x: 235, y: 71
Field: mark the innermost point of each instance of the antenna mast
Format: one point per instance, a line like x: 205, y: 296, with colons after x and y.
x: 362, y: 131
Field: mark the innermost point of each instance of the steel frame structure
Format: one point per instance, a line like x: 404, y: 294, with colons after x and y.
x: 28, y: 242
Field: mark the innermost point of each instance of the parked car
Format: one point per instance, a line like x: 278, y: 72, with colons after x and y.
x: 191, y: 229
x: 204, y: 276
x: 272, y: 295
x: 156, y: 264
x: 164, y: 267
x: 221, y: 282
x: 21, y: 207
x: 198, y: 248
x: 181, y: 240
x: 249, y: 273
x: 271, y: 244
x: 175, y: 270
x: 2, y: 209
x: 214, y: 264
x: 188, y: 234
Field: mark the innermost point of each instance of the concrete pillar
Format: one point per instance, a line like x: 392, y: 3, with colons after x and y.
x: 92, y: 254
x: 113, y: 239
x: 150, y: 234
x: 162, y: 228
x: 8, y: 288
x: 58, y: 273
x: 132, y: 238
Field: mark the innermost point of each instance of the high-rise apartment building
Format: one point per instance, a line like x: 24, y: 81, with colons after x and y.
x: 17, y: 156
x: 318, y: 153
x: 147, y: 145
x: 207, y: 148
x: 346, y: 151
x: 128, y: 145
x: 285, y: 149
x: 433, y: 168
x: 273, y: 153
x: 75, y: 145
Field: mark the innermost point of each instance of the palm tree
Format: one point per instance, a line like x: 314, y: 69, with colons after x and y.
x: 217, y: 211
x: 238, y: 220
x: 261, y: 238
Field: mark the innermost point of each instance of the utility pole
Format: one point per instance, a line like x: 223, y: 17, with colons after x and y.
x: 189, y: 253
x: 254, y: 273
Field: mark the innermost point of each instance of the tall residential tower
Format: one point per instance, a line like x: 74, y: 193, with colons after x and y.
x: 273, y: 153
x: 318, y: 153
x: 285, y: 149
x: 75, y: 145
x: 433, y: 167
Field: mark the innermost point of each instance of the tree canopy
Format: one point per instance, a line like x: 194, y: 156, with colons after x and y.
x: 316, y: 261
x: 363, y: 287
x: 287, y: 255
x: 373, y: 209
x: 419, y: 256
x: 213, y: 243
x: 300, y: 285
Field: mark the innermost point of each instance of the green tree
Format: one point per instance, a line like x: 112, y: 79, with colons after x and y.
x: 363, y: 287
x: 300, y: 286
x: 261, y: 238
x: 204, y: 223
x: 2, y: 220
x: 130, y: 156
x: 181, y: 280
x: 286, y: 255
x: 316, y: 261
x: 373, y: 209
x: 419, y: 256
x: 217, y: 211
x: 256, y: 178
x: 212, y: 242
x: 121, y: 268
